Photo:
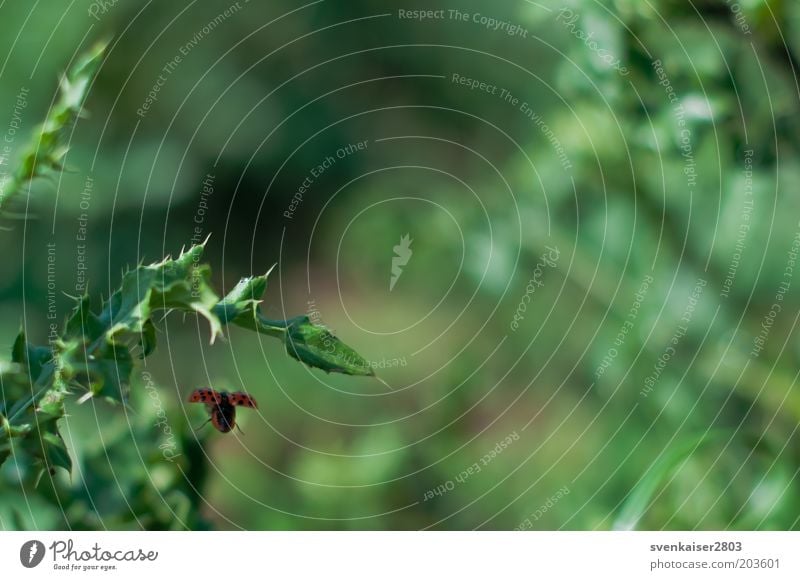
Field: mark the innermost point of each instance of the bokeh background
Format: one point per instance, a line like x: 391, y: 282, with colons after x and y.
x: 585, y: 334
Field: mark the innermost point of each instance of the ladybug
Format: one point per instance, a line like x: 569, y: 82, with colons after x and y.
x: 221, y: 406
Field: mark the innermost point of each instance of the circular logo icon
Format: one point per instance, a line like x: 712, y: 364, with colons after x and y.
x: 31, y: 553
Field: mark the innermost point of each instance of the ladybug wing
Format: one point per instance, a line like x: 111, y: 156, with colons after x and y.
x: 242, y: 399
x: 208, y: 396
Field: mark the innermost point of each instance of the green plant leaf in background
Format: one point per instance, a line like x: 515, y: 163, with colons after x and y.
x: 640, y: 498
x: 46, y: 151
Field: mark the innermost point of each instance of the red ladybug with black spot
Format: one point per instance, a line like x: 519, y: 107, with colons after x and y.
x: 221, y: 406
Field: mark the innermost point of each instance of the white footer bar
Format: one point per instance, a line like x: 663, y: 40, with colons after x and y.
x: 401, y: 555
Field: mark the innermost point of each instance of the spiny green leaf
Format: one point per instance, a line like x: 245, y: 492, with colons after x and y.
x: 185, y: 284
x: 52, y: 402
x: 19, y: 430
x: 46, y: 150
x: 182, y: 284
x: 148, y: 339
x: 316, y: 346
x: 241, y: 307
x: 129, y: 307
x: 83, y: 323
x: 29, y: 356
x: 39, y: 404
x: 309, y: 343
x: 55, y: 451
x: 104, y: 370
x: 243, y: 300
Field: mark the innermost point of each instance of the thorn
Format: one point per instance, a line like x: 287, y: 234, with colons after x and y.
x: 38, y: 478
x: 19, y: 216
x: 128, y: 409
x: 219, y: 334
x: 163, y: 317
x: 380, y: 380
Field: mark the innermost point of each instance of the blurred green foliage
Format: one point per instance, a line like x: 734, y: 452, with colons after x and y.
x: 598, y: 164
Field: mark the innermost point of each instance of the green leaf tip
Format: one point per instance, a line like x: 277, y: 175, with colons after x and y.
x: 318, y: 347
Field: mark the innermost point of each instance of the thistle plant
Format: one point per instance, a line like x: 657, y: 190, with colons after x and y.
x: 93, y: 354
x: 46, y: 151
